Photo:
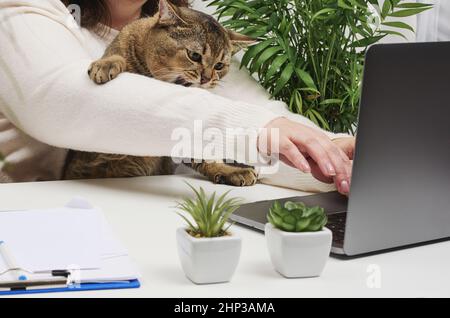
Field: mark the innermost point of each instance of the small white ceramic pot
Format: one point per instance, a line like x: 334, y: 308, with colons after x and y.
x: 301, y: 254
x: 208, y: 260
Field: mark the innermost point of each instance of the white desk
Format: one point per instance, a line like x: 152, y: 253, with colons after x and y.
x: 141, y: 213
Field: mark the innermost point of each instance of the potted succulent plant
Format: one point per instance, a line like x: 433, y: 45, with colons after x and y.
x: 208, y: 251
x: 298, y: 242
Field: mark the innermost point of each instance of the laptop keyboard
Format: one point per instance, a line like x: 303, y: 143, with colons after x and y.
x: 336, y: 223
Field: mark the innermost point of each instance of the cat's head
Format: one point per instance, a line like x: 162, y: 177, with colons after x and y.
x: 190, y: 48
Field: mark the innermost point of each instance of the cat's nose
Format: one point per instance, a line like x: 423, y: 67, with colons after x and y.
x: 205, y: 79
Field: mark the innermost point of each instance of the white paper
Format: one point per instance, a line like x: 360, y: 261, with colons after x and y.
x: 112, y: 269
x: 76, y: 236
x: 111, y: 247
x: 60, y: 238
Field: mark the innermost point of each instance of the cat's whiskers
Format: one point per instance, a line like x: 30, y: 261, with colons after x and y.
x: 194, y: 80
x: 166, y: 75
x: 174, y: 74
x: 170, y: 70
x: 216, y: 83
x: 192, y: 75
x: 163, y: 71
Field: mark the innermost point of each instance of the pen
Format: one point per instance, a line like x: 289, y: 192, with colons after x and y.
x: 10, y: 262
x: 48, y: 283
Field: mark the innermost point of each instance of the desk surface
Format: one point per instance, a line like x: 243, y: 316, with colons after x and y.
x: 141, y: 213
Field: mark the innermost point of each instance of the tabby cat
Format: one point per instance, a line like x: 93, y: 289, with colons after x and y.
x: 177, y: 45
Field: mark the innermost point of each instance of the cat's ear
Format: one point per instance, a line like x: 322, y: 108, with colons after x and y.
x: 168, y: 14
x: 240, y: 41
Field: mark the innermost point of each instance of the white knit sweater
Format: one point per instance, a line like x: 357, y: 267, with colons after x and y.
x: 48, y: 103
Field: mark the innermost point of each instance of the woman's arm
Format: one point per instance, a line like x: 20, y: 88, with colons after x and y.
x: 49, y: 95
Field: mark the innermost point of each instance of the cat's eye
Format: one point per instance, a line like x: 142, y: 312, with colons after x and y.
x: 219, y: 66
x: 194, y: 56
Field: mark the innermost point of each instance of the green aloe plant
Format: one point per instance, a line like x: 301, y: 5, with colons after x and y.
x: 311, y: 52
x: 209, y: 214
x: 297, y: 217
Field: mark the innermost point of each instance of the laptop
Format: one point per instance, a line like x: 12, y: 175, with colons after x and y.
x: 400, y: 191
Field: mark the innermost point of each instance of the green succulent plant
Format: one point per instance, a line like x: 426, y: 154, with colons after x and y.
x: 297, y: 217
x: 209, y: 214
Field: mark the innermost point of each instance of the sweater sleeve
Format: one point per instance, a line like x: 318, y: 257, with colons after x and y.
x: 46, y: 92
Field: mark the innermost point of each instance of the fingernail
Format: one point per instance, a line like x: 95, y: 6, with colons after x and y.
x: 345, y: 187
x: 331, y: 170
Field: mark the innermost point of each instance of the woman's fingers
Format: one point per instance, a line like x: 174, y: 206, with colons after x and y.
x: 342, y: 164
x: 299, y: 143
x: 289, y: 150
x: 347, y: 145
x: 332, y: 162
x: 346, y: 149
x: 317, y: 173
x: 316, y: 151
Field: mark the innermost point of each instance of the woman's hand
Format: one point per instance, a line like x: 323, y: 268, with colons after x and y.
x: 347, y: 145
x: 308, y: 150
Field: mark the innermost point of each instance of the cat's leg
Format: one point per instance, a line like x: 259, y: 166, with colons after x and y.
x: 223, y: 173
x: 107, y: 68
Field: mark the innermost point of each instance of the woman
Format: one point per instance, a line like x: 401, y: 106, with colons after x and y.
x: 48, y: 103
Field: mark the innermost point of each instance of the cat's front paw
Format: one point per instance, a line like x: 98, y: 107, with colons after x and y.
x: 106, y: 69
x: 240, y: 177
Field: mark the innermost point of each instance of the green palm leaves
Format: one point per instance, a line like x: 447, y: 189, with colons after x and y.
x: 209, y: 214
x: 297, y: 217
x: 311, y: 52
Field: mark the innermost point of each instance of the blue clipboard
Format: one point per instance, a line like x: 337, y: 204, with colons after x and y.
x: 81, y: 287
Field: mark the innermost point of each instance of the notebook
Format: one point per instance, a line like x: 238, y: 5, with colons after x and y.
x: 67, y: 248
